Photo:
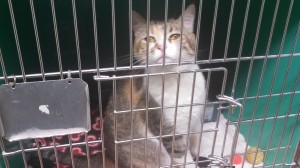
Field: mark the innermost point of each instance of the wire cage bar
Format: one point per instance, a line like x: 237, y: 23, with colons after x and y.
x: 247, y: 50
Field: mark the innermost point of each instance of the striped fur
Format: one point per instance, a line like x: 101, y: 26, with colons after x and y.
x: 133, y: 96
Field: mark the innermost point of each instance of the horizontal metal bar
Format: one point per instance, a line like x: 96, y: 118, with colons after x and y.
x: 49, y: 147
x: 271, y: 95
x: 290, y: 164
x: 164, y: 136
x: 261, y: 96
x: 269, y: 118
x: 125, y: 68
x: 165, y: 107
x: 271, y: 149
x: 274, y: 165
x: 159, y: 74
x: 180, y: 164
x: 100, y: 141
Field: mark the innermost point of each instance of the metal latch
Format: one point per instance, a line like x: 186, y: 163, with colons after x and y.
x: 221, y: 162
x: 230, y: 100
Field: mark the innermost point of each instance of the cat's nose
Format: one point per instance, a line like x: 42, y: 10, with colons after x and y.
x: 161, y: 47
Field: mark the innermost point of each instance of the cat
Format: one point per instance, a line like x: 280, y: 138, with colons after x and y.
x: 132, y: 95
x: 157, y: 153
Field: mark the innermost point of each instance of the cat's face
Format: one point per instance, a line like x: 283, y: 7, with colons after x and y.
x: 172, y: 42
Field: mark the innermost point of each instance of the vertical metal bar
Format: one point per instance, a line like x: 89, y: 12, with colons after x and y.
x: 163, y: 80
x: 272, y: 83
x: 98, y: 74
x: 87, y: 150
x: 253, y: 52
x: 37, y: 40
x: 291, y: 137
x: 229, y: 29
x: 198, y: 31
x: 257, y: 31
x: 295, y: 88
x: 226, y: 129
x: 71, y: 150
x: 56, y: 39
x: 175, y: 116
x: 202, y: 120
x: 219, y: 113
x: 190, y: 116
x: 240, y: 49
x: 148, y: 27
x: 55, y: 152
x: 95, y: 36
x: 17, y: 39
x: 250, y: 71
x: 268, y: 47
x: 77, y: 37
x: 224, y: 81
x: 39, y: 153
x: 161, y: 115
x: 3, y: 67
x: 213, y: 31
x: 115, y: 124
x: 181, y: 31
x: 101, y: 122
x: 165, y: 30
x: 130, y: 35
x: 206, y: 98
x: 131, y: 122
x: 236, y: 135
x: 286, y: 118
x: 113, y: 17
x: 23, y: 154
x: 147, y: 117
x: 265, y: 60
x: 80, y: 75
x: 6, y: 162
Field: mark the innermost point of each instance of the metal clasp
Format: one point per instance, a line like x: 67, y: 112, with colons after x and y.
x: 218, y: 161
x: 14, y: 83
x: 230, y: 100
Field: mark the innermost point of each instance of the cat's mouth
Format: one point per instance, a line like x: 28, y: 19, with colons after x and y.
x: 161, y: 59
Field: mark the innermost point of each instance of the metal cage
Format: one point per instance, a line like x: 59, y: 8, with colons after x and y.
x: 248, y: 51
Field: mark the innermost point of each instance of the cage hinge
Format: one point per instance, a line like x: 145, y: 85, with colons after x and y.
x: 230, y: 100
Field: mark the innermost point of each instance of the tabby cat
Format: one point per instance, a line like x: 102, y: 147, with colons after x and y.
x: 142, y: 92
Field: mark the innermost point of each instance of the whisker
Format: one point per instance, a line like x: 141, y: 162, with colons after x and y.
x: 123, y: 59
x: 139, y: 61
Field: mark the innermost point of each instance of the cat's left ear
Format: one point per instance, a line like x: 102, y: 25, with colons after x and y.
x: 188, y: 17
x: 137, y: 19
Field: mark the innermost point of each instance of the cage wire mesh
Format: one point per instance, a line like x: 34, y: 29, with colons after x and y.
x: 248, y: 52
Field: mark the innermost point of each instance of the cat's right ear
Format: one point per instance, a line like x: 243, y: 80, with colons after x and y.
x: 137, y: 19
x: 188, y: 17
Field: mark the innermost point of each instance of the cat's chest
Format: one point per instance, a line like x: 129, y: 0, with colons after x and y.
x: 182, y: 86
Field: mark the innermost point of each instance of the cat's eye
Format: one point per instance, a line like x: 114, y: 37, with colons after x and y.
x: 151, y: 39
x: 174, y: 37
